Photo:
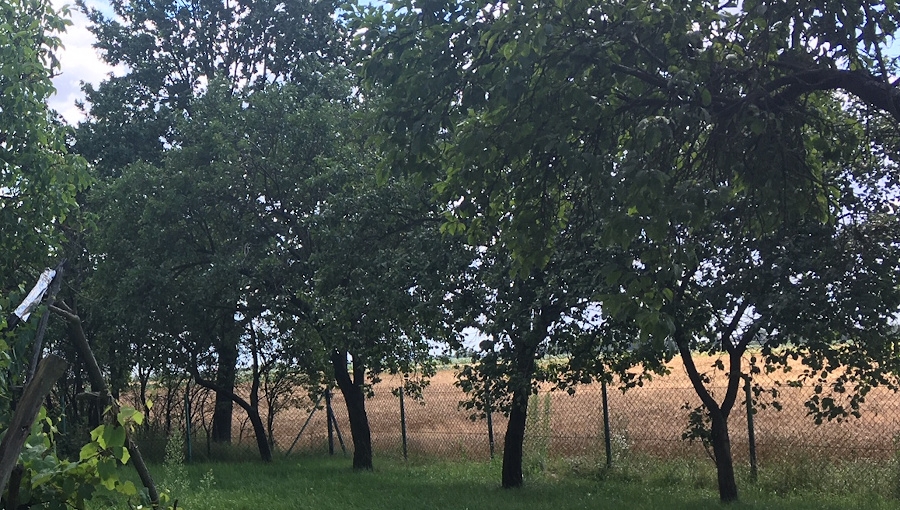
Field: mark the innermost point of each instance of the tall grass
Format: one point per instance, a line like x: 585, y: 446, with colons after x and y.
x: 537, y: 434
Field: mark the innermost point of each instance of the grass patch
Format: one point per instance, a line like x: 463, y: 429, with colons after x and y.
x: 329, y: 483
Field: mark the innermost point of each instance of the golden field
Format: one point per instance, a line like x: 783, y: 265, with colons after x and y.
x: 648, y: 419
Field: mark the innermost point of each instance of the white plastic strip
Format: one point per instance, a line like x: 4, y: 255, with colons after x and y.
x: 33, y: 299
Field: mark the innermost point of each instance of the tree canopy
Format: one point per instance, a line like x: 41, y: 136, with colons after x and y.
x: 570, y: 79
x: 722, y: 158
x: 40, y: 182
x: 39, y: 178
x: 339, y: 193
x: 174, y: 50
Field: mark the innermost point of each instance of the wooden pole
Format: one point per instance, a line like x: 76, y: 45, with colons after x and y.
x: 49, y: 370
x: 98, y: 384
x: 490, y: 421
x: 606, y: 428
x: 42, y: 327
x: 188, y: 446
x: 337, y: 431
x: 308, y: 418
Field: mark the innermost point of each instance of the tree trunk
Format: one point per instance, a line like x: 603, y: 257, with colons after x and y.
x: 223, y: 409
x: 226, y: 372
x: 521, y: 384
x: 253, y: 415
x: 144, y: 382
x: 262, y: 440
x: 513, y: 444
x: 270, y: 427
x: 721, y: 444
x: 356, y: 407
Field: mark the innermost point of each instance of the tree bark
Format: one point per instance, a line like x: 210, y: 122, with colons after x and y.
x: 356, y: 407
x: 872, y: 90
x: 513, y: 444
x: 521, y: 381
x: 869, y: 89
x: 259, y: 429
x: 49, y: 370
x: 226, y: 373
x: 144, y: 382
x: 721, y: 444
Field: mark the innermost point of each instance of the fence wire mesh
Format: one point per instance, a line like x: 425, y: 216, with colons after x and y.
x: 648, y: 420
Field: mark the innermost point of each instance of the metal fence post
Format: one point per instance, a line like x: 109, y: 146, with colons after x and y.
x: 339, y: 435
x: 751, y: 432
x: 189, y: 448
x: 403, y: 423
x: 330, y: 420
x: 305, y: 424
x: 606, y: 439
x: 490, y: 420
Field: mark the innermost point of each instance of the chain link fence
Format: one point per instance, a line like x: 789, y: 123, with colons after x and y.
x: 648, y: 420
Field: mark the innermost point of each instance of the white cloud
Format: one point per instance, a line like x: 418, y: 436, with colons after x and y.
x: 80, y: 62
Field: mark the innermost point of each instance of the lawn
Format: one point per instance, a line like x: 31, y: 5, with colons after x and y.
x: 329, y: 483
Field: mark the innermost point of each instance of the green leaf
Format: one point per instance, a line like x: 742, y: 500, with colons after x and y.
x: 128, y: 488
x: 121, y: 453
x: 668, y: 294
x: 757, y: 126
x: 106, y: 469
x: 88, y: 451
x: 128, y: 414
x: 97, y: 432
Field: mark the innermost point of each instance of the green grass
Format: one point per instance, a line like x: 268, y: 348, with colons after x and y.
x: 329, y: 483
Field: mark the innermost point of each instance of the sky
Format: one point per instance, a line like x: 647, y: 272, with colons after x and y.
x: 79, y: 61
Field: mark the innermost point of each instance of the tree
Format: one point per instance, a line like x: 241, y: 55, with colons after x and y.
x: 523, y: 321
x: 39, y: 183
x: 174, y: 53
x: 200, y: 239
x: 174, y: 50
x: 383, y: 281
x: 708, y: 141
x: 734, y: 266
x: 39, y: 178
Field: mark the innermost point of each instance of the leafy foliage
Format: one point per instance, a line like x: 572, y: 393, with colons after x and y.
x: 56, y: 482
x: 39, y: 182
x: 725, y: 165
x: 174, y: 51
x: 39, y: 179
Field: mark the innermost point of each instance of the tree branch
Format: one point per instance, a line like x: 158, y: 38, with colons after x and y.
x: 690, y: 367
x: 730, y: 329
x: 867, y: 88
x: 864, y: 86
x: 652, y: 79
x: 195, y: 373
x: 734, y: 369
x: 66, y: 314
